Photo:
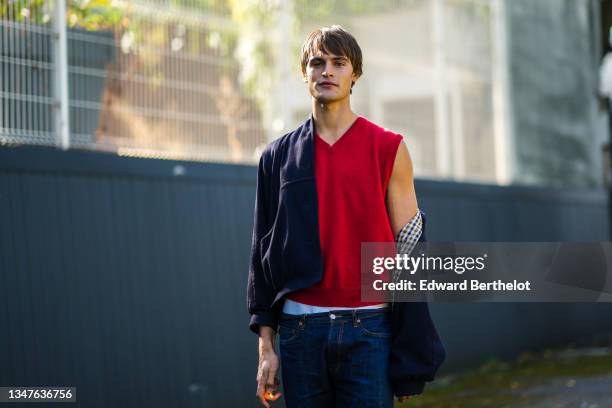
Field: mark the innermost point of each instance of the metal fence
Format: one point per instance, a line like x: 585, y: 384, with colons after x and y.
x: 144, y: 79
x: 216, y: 80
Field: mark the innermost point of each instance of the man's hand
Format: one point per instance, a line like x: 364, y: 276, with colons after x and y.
x: 267, y: 383
x: 403, y: 398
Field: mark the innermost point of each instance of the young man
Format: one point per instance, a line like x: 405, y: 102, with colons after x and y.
x: 322, y: 189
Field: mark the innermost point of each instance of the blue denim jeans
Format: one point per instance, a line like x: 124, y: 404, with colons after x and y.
x: 336, y: 359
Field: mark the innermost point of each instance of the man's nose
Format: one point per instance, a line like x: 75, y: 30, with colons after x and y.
x: 328, y: 70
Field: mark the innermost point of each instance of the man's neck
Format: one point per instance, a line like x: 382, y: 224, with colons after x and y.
x: 332, y: 120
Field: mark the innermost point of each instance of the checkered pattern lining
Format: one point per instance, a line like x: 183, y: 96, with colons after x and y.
x: 405, y: 242
x: 407, y: 238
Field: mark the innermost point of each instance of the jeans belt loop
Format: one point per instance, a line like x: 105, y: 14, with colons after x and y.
x: 302, y: 321
x: 355, y: 318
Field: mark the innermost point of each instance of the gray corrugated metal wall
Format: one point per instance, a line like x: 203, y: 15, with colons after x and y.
x: 129, y: 282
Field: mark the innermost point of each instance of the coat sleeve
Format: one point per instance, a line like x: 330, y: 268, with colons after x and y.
x: 416, y: 349
x: 259, y: 293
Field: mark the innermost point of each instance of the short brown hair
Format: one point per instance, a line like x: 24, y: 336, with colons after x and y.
x: 332, y: 40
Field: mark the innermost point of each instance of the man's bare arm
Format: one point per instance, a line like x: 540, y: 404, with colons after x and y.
x: 402, y: 203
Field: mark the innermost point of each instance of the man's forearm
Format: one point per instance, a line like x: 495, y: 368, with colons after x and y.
x: 266, y: 338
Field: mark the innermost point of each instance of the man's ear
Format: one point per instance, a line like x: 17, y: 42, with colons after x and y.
x: 355, y: 78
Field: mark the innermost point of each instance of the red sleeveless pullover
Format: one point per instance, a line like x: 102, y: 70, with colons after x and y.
x: 351, y: 177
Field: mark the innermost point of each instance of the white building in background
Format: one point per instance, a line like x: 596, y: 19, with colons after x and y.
x: 476, y: 88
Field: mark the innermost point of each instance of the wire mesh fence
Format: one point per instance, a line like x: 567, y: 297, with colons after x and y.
x: 216, y: 80
x: 26, y: 73
x: 147, y: 79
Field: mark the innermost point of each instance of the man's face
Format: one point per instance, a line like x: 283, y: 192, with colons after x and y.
x: 329, y: 77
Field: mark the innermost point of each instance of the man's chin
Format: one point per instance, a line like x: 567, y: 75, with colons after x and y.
x: 325, y: 99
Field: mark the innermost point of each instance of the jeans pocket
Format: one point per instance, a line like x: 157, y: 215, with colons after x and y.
x: 375, y: 326
x: 288, y: 331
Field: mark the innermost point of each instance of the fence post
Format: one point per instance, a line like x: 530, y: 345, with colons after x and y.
x: 443, y: 152
x: 60, y: 63
x: 503, y: 118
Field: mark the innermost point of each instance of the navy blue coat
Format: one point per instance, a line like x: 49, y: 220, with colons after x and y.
x: 286, y: 256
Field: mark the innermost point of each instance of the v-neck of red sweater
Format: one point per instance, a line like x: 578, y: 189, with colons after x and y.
x: 343, y: 136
